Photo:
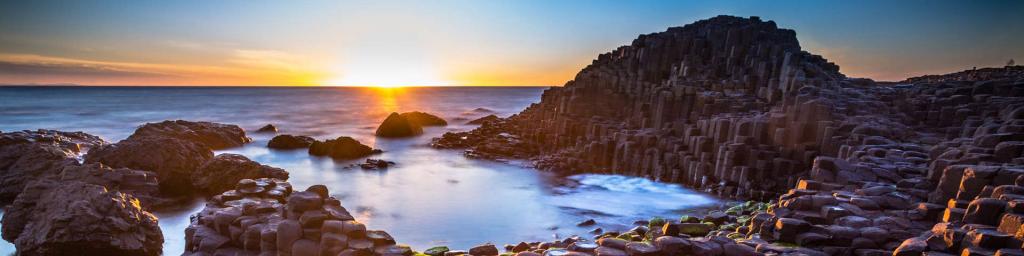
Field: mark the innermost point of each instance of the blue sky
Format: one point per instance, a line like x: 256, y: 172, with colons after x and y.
x: 520, y: 42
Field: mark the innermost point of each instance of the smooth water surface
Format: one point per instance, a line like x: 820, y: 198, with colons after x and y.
x: 432, y: 197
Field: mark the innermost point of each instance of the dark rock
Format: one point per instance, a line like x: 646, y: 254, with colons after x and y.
x: 586, y: 223
x: 269, y: 128
x: 341, y: 148
x: 77, y: 218
x: 642, y: 249
x: 173, y: 160
x: 484, y: 249
x: 26, y: 156
x: 984, y: 211
x: 396, y: 125
x: 285, y: 141
x: 212, y: 135
x: 376, y: 164
x: 485, y: 119
x: 225, y: 170
x: 424, y: 119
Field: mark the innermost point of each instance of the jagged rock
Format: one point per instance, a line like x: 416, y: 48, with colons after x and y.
x: 76, y: 218
x: 424, y: 119
x: 341, y: 148
x: 285, y: 141
x: 269, y: 128
x: 212, y: 135
x: 26, y: 156
x: 173, y: 160
x: 225, y: 170
x: 376, y: 164
x: 396, y: 125
x: 141, y: 185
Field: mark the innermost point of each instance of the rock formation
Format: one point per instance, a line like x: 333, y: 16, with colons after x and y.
x: 396, y: 125
x: 212, y: 135
x: 223, y: 171
x: 482, y: 120
x: 341, y: 148
x: 173, y: 160
x: 29, y: 155
x: 732, y: 106
x: 285, y: 141
x: 264, y: 217
x: 77, y: 218
x: 424, y: 119
x: 269, y: 128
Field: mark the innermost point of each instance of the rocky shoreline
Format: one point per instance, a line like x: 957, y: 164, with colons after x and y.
x: 731, y: 106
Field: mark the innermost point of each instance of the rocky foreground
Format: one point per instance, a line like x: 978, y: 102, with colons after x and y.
x: 732, y: 106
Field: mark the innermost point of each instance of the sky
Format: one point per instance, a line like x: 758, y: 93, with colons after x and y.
x: 460, y: 42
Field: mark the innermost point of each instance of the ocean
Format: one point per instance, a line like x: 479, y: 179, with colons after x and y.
x: 432, y: 197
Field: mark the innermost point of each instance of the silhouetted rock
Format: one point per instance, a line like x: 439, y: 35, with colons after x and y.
x: 212, y: 135
x: 424, y: 119
x: 269, y: 128
x: 341, y: 148
x: 396, y: 125
x: 376, y: 164
x: 225, y: 170
x: 77, y: 218
x: 285, y: 141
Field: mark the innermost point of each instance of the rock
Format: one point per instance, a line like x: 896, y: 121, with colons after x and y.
x: 984, y: 211
x: 424, y: 119
x: 485, y: 119
x: 608, y: 251
x: 732, y: 249
x: 225, y: 170
x: 484, y: 249
x: 285, y: 141
x: 173, y: 160
x: 671, y: 245
x: 376, y: 164
x: 26, y: 156
x: 695, y: 229
x: 642, y: 249
x: 142, y: 185
x: 212, y: 135
x: 911, y: 247
x: 586, y: 223
x: 341, y: 148
x: 436, y: 251
x: 269, y: 128
x: 396, y: 125
x: 787, y: 229
x: 77, y: 218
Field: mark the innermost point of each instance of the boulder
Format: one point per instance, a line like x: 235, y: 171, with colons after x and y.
x: 77, y: 218
x: 269, y: 128
x: 225, y: 170
x: 285, y: 141
x: 424, y: 119
x: 173, y: 160
x: 985, y: 211
x: 142, y: 185
x: 341, y: 148
x: 484, y: 250
x: 396, y: 125
x: 26, y: 156
x: 212, y: 135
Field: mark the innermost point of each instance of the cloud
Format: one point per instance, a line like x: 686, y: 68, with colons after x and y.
x: 8, y: 68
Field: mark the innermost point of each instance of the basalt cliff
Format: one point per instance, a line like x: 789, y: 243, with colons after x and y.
x: 734, y: 107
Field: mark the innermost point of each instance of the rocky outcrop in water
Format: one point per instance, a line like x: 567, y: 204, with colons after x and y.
x: 173, y: 160
x: 285, y: 141
x: 341, y: 148
x: 269, y: 128
x: 396, y: 126
x: 732, y: 106
x: 212, y: 135
x: 223, y: 171
x: 78, y: 218
x: 265, y: 217
x: 26, y: 156
x: 424, y: 119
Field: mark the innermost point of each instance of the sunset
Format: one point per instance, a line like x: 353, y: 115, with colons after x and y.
x: 512, y: 128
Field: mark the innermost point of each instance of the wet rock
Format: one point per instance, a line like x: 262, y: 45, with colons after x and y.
x: 484, y: 249
x: 142, y: 185
x: 212, y: 135
x: 376, y: 164
x: 984, y: 211
x: 225, y: 170
x: 77, y: 218
x: 341, y: 148
x: 26, y: 156
x: 396, y: 125
x: 173, y: 160
x: 285, y: 141
x: 269, y: 128
x: 424, y: 119
x: 586, y: 223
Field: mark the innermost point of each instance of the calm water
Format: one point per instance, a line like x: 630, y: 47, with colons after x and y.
x: 433, y: 197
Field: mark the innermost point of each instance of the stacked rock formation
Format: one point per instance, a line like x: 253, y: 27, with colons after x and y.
x: 265, y: 217
x: 733, y: 106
